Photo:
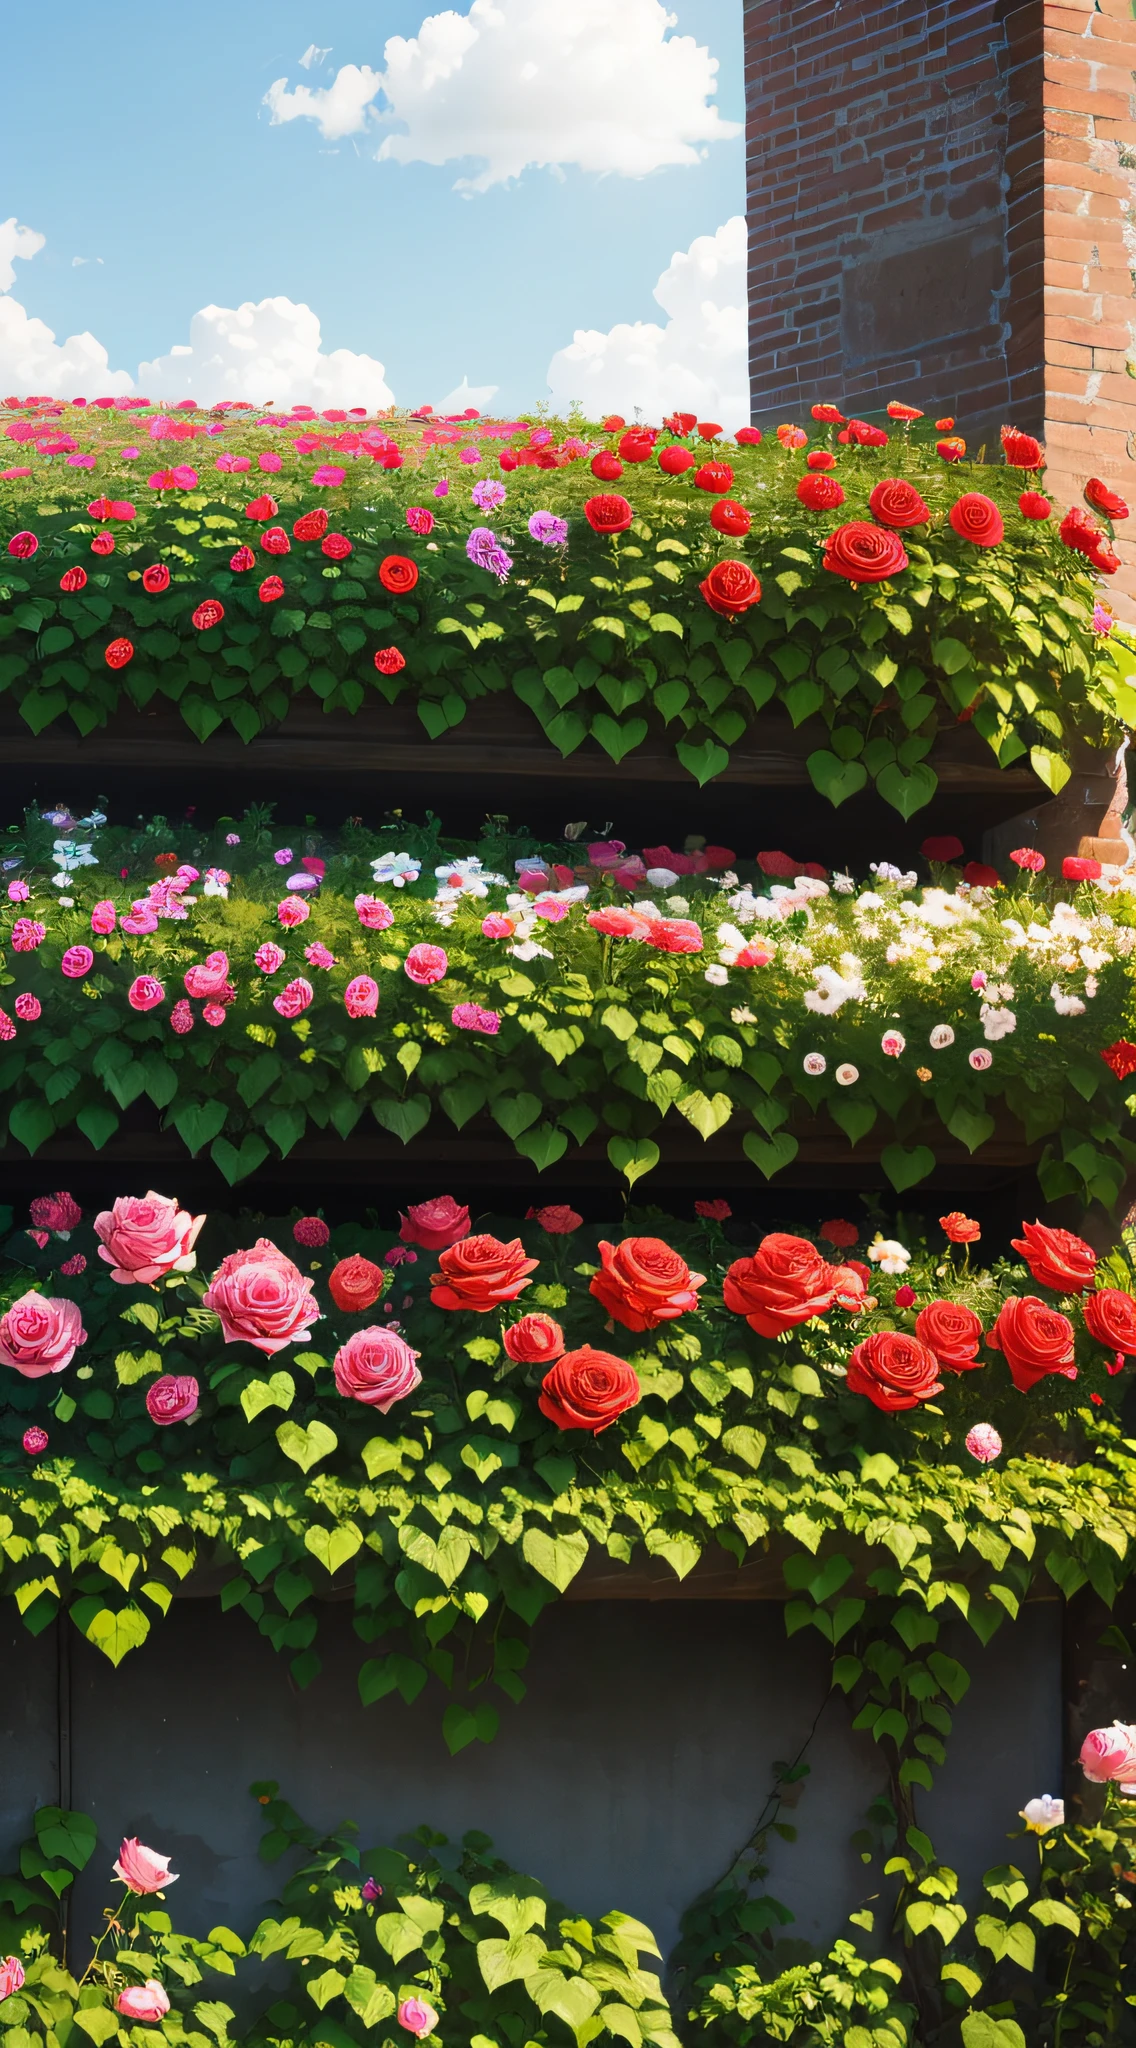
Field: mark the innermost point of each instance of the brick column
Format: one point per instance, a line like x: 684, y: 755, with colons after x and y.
x: 942, y: 207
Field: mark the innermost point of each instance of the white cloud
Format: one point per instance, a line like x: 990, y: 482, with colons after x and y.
x: 531, y: 83
x: 340, y: 108
x: 32, y: 360
x: 268, y: 350
x: 696, y: 363
x: 77, y: 262
x: 313, y: 55
x: 15, y: 241
x: 466, y: 394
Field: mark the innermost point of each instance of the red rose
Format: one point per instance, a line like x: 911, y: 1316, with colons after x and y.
x: 535, y: 1340
x: 1121, y: 1057
x: 947, y: 847
x: 828, y: 415
x: 271, y: 589
x: 714, y: 476
x: 1080, y: 532
x: 606, y: 467
x: 435, y: 1224
x: 958, y: 1228
x: 587, y: 1389
x: 208, y: 614
x: 716, y: 1211
x: 23, y: 545
x: 1105, y: 558
x: 1021, y: 450
x: 1110, y: 1317
x: 242, y: 560
x: 275, y: 541
x: 894, y: 1370
x: 119, y: 653
x: 1028, y: 857
x: 952, y: 1332
x: 310, y: 525
x: 336, y: 547
x: 355, y: 1284
x: 820, y: 493
x: 156, y: 578
x: 613, y: 423
x: 480, y: 1273
x: 608, y: 514
x: 637, y: 444
x: 894, y: 502
x: 839, y: 1232
x: 978, y: 876
x: 786, y: 1282
x: 1034, y: 505
x: 681, y: 423
x: 1080, y: 868
x: 1102, y: 499
x: 262, y: 508
x: 389, y: 661
x: 644, y: 1283
x: 398, y: 573
x: 861, y: 434
x: 672, y: 461
x: 864, y: 553
x: 708, y: 430
x: 748, y: 437
x: 977, y: 519
x: 1034, y: 1340
x: 103, y: 544
x: 729, y: 518
x: 819, y: 458
x: 73, y: 579
x: 673, y: 935
x: 897, y: 410
x: 616, y: 923
x: 952, y: 449
x: 731, y: 588
x: 1056, y: 1258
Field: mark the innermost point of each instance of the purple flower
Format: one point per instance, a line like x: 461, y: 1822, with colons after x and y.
x: 550, y: 531
x: 485, y: 552
x: 488, y: 494
x: 442, y: 490
x: 1103, y: 621
x: 540, y: 437
x: 471, y: 455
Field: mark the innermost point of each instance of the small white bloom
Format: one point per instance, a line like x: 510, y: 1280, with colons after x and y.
x: 997, y: 1023
x: 398, y: 868
x: 869, y: 901
x: 814, y: 1063
x: 846, y: 1074
x: 646, y: 908
x: 716, y: 976
x: 678, y: 905
x: 942, y: 1036
x: 833, y: 990
x: 893, y: 1043
x: 889, y: 1256
x: 529, y: 950
x: 1041, y: 1814
x: 1092, y: 958
x: 1066, y: 1005
x: 67, y: 903
x: 742, y: 1016
x: 884, y: 871
x: 661, y: 878
x: 843, y: 885
x: 1090, y: 985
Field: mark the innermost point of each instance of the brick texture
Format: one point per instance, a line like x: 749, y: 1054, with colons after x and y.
x: 942, y: 207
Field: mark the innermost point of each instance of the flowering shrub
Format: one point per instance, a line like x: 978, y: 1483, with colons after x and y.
x: 581, y: 995
x: 882, y: 599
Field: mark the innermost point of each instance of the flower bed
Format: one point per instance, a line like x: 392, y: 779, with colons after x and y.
x: 889, y: 592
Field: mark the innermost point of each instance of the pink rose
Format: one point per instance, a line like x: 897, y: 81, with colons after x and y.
x: 376, y: 1366
x: 40, y: 1333
x: 317, y: 955
x: 436, y: 1224
x: 210, y: 979
x: 425, y: 964
x: 471, y: 1017
x: 145, y: 2002
x: 145, y: 993
x: 262, y: 1298
x: 1109, y: 1755
x: 18, y: 891
x: 497, y: 925
x: 173, y: 1398
x: 7, y: 1028
x: 27, y: 1008
x: 294, y: 999
x: 417, y: 2017
x: 144, y: 1237
x: 374, y: 913
x: 103, y: 918
x: 214, y: 1014
x: 142, y: 1870
x: 361, y: 996
x: 269, y: 957
x: 293, y: 910
x: 181, y: 1018
x: 140, y: 921
x: 77, y: 961
x: 27, y: 934
x: 11, y: 1968
x: 59, y: 1212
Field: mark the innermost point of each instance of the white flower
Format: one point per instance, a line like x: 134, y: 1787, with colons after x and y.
x: 833, y: 990
x: 942, y: 1036
x: 814, y: 1063
x: 884, y: 871
x: 646, y: 908
x: 843, y: 885
x: 847, y: 1074
x: 661, y: 878
x: 678, y: 904
x: 889, y: 1256
x: 717, y: 976
x: 869, y: 901
x: 1092, y: 959
x: 980, y: 1059
x: 529, y: 950
x: 1042, y: 1814
x: 1090, y: 985
x: 727, y: 881
x: 997, y: 1023
x: 893, y: 1043
x: 742, y: 1016
x: 810, y: 887
x: 746, y: 906
x: 398, y: 868
x: 1065, y: 1006
x: 67, y: 903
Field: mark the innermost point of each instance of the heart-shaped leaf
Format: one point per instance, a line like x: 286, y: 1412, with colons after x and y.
x: 632, y: 1157
x: 277, y: 1392
x: 285, y: 1127
x: 556, y: 1558
x: 907, y: 793
x: 855, y: 1119
x: 836, y: 779
x: 306, y: 1447
x: 971, y: 1127
x: 544, y: 1146
x: 236, y: 1162
x: 769, y: 1155
x: 515, y: 1113
x: 615, y: 739
x: 197, y: 1123
x: 31, y: 1123
x: 905, y: 1168
x: 98, y: 1122
x: 112, y: 1633
x: 707, y: 1113
x: 333, y: 1547
x: 405, y: 1119
x: 703, y: 760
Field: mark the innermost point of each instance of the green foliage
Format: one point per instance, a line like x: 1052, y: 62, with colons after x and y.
x: 594, y: 639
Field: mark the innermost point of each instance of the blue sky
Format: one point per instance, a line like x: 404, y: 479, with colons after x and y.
x: 141, y: 138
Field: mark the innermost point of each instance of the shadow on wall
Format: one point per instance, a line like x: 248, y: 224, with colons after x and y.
x: 628, y: 1777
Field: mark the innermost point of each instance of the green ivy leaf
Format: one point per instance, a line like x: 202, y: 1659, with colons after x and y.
x: 306, y: 1447
x: 904, y: 1168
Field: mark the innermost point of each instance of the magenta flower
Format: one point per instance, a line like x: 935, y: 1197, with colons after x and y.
x: 18, y: 892
x: 426, y: 964
x: 27, y: 934
x: 374, y: 913
x: 140, y: 921
x: 293, y: 910
x: 471, y: 1017
x: 317, y: 955
x: 7, y: 1028
x: 214, y: 1014
x: 181, y: 1018
x: 77, y: 961
x: 330, y: 475
x: 295, y: 998
x: 27, y: 1008
x: 487, y: 494
x: 104, y: 916
x: 311, y: 1231
x: 269, y: 957
x: 35, y: 1441
x: 497, y: 925
x: 419, y: 519
x: 74, y: 1265
x: 269, y: 460
x: 145, y: 993
x: 550, y: 531
x: 361, y: 996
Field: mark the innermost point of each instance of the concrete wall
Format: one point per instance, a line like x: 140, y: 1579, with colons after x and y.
x: 628, y: 1777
